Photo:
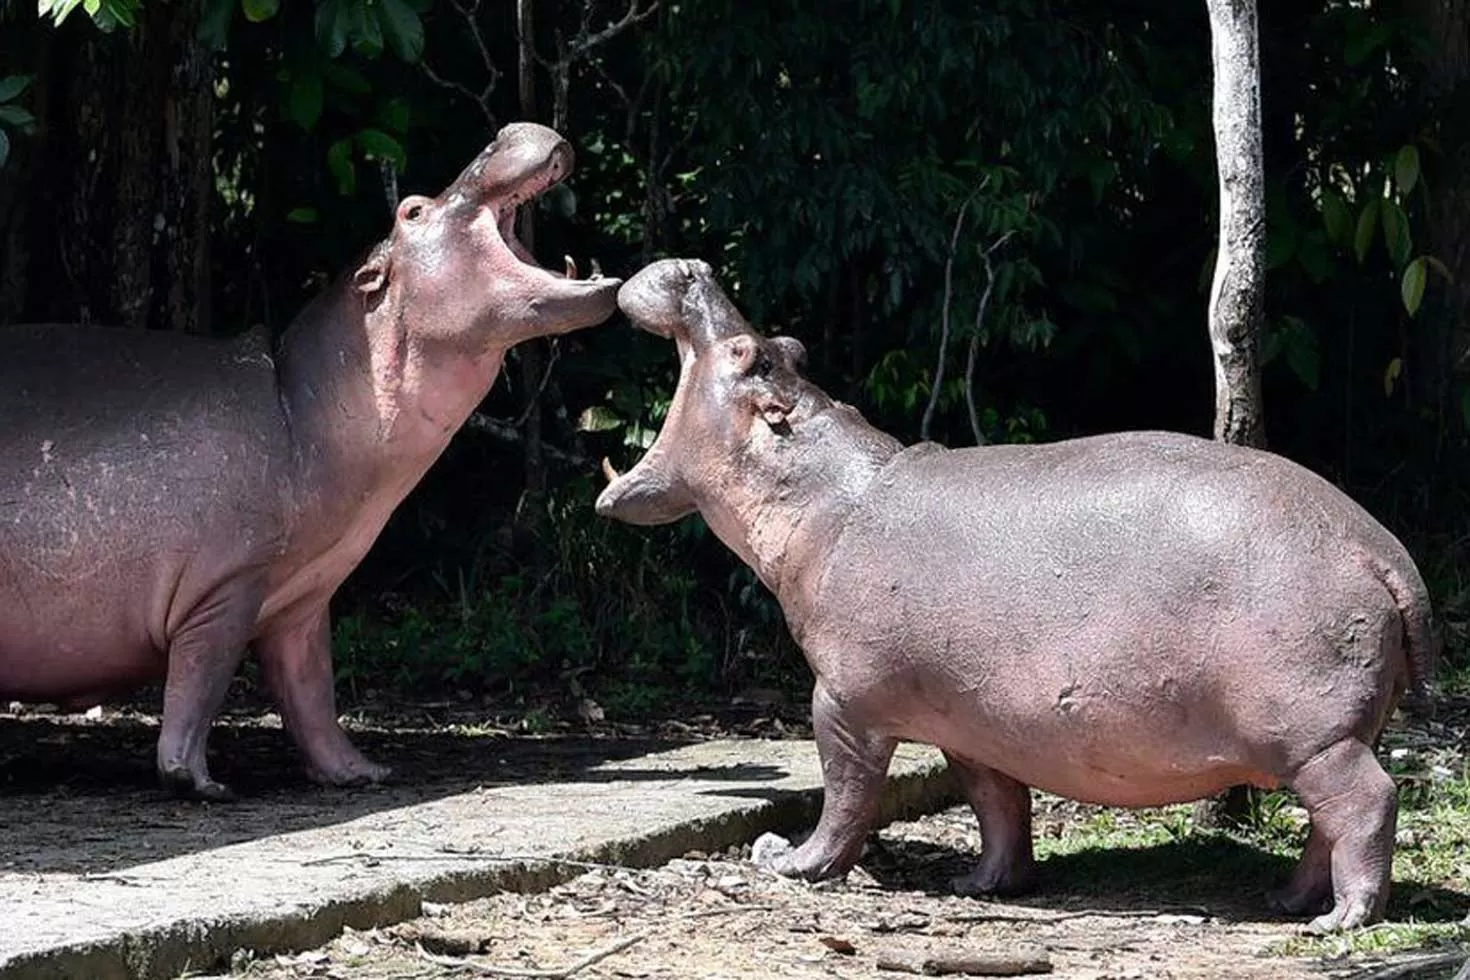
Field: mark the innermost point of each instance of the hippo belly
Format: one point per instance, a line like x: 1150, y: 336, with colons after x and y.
x: 120, y: 516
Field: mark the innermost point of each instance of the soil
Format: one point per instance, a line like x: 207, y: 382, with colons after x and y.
x: 720, y: 918
x: 1191, y: 908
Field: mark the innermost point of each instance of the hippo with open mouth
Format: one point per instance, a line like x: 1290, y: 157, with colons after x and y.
x: 1130, y: 620
x: 167, y: 502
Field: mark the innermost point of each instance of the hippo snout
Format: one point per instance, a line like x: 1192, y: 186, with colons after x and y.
x: 654, y: 298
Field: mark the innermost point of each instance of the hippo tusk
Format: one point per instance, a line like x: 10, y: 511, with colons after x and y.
x: 608, y: 471
x: 571, y: 267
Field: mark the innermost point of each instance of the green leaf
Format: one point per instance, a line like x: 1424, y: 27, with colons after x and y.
x: 1406, y: 168
x: 379, y: 145
x: 339, y: 162
x: 331, y: 27
x: 15, y: 116
x: 346, y: 78
x: 599, y: 418
x: 1396, y: 232
x: 214, y: 23
x: 301, y: 216
x: 1336, y: 218
x: 1441, y: 268
x: 306, y: 100
x: 1303, y: 356
x: 402, y: 29
x: 1367, y: 224
x: 364, y: 29
x: 12, y: 86
x: 1416, y: 274
x: 4, y: 147
x: 257, y: 11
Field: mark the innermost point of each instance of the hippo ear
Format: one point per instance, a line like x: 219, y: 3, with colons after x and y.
x: 792, y: 351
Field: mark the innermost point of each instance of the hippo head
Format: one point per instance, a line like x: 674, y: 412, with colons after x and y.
x: 453, y: 272
x: 738, y: 395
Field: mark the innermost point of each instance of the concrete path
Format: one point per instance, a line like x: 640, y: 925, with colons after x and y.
x: 296, y: 889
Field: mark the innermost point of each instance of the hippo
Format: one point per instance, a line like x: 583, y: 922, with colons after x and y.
x: 168, y: 502
x: 1131, y: 620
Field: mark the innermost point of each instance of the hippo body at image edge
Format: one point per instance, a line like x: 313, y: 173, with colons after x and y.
x: 1132, y: 619
x: 167, y: 501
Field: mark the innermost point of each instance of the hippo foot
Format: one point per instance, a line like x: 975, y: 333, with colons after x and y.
x: 809, y: 863
x: 1292, y: 901
x: 357, y: 770
x: 183, y: 784
x: 1346, y: 914
x: 995, y: 878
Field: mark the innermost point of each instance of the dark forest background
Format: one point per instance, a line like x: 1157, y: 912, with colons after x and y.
x: 208, y: 166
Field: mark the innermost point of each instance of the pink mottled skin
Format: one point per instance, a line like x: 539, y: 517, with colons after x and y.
x: 1130, y: 620
x: 167, y: 502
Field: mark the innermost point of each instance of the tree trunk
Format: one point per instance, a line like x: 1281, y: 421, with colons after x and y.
x: 1236, y: 297
x: 529, y: 353
x: 1445, y: 83
x: 1237, y: 304
x: 116, y: 205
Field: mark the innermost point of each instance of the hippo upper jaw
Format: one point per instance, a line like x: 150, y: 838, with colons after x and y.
x: 483, y: 207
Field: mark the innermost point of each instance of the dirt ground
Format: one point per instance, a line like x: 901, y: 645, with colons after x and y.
x: 722, y: 919
x: 1161, y: 907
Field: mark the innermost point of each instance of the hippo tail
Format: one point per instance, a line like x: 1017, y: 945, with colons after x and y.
x: 1421, y: 636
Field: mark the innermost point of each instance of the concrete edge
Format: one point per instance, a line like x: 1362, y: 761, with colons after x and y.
x: 166, y: 952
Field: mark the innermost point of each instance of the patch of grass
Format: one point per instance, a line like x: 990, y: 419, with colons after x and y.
x: 1385, y: 937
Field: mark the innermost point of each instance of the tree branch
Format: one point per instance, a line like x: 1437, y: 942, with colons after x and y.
x: 975, y: 337
x: 954, y: 240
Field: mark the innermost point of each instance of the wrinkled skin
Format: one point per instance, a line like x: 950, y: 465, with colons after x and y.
x: 168, y: 501
x: 1129, y: 620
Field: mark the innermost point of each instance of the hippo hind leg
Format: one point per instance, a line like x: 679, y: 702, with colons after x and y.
x: 854, y: 766
x: 1353, y: 805
x: 1003, y: 807
x: 203, y: 656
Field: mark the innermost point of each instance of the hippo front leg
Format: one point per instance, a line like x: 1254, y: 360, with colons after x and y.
x: 854, y: 765
x: 203, y: 656
x: 297, y: 664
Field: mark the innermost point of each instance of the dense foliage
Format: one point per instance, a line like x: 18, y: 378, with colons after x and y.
x: 1019, y: 194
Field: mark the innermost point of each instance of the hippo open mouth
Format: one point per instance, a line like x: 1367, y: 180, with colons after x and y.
x: 523, y: 163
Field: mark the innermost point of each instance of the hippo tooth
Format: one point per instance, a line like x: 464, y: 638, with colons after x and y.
x: 571, y: 267
x: 608, y: 471
x: 596, y: 269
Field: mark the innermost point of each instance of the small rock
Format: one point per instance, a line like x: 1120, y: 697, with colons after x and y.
x: 434, y: 910
x: 838, y: 945
x: 768, y: 848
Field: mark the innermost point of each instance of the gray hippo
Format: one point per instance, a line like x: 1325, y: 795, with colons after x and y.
x: 1128, y: 620
x: 168, y: 501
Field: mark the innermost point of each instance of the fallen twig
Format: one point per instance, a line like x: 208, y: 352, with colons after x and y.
x: 724, y: 910
x: 1413, y: 967
x: 498, y: 970
x: 462, y: 856
x: 966, y: 964
x: 1082, y: 914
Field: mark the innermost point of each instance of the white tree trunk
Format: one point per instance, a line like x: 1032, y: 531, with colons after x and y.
x: 1236, y: 298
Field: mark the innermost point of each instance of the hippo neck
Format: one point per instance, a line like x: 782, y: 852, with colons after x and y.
x: 784, y: 514
x: 368, y: 410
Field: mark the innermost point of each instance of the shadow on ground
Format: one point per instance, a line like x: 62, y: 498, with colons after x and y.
x: 1210, y: 873
x: 79, y: 796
